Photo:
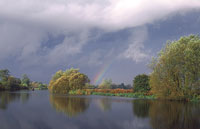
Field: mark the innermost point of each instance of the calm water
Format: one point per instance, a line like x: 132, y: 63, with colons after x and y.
x: 41, y: 110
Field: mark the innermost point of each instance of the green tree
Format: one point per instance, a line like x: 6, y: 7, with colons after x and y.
x: 141, y: 83
x: 25, y: 81
x: 13, y: 83
x: 105, y: 84
x: 176, y: 70
x: 4, y: 74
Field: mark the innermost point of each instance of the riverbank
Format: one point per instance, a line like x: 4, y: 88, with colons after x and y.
x: 113, y: 92
x: 128, y: 93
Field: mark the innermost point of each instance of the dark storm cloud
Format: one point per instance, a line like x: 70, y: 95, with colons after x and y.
x: 40, y: 37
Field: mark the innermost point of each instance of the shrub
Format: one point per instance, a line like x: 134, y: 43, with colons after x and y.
x: 141, y: 83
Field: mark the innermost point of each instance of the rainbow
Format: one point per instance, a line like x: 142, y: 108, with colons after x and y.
x: 99, y: 76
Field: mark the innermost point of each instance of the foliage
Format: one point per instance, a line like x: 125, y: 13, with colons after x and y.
x: 113, y: 90
x: 64, y: 81
x: 121, y: 86
x: 38, y: 85
x: 129, y: 95
x: 105, y: 84
x: 13, y: 83
x: 89, y: 86
x: 4, y: 74
x: 25, y: 81
x: 141, y: 83
x: 176, y: 70
x: 8, y: 82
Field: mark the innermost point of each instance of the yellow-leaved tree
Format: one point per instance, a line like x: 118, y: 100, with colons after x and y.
x: 64, y: 81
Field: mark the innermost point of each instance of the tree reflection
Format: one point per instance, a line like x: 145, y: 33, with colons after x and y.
x: 141, y: 107
x: 71, y: 106
x: 174, y: 115
x: 105, y: 104
x: 8, y: 97
x: 169, y: 114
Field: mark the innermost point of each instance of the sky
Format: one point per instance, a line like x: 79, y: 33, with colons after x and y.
x: 105, y: 39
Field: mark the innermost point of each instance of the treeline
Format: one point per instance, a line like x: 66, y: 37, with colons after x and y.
x: 11, y: 83
x: 175, y: 71
x: 72, y: 81
x: 175, y: 74
x: 108, y: 84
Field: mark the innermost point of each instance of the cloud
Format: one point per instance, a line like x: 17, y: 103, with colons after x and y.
x: 26, y: 26
x: 105, y: 14
x: 135, y: 50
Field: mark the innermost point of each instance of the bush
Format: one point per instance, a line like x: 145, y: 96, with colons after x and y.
x: 141, y: 83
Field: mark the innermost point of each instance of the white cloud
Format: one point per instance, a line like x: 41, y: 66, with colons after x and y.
x: 135, y: 50
x: 25, y: 24
x: 106, y: 14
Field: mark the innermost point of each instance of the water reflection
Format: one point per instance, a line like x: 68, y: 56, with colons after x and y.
x: 141, y: 108
x: 174, y: 115
x: 71, y: 106
x: 105, y: 104
x: 7, y: 97
x: 168, y: 114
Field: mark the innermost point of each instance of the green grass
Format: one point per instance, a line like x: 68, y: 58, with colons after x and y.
x: 195, y: 98
x: 129, y: 95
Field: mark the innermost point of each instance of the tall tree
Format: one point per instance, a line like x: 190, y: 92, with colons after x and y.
x: 176, y: 70
x: 4, y: 74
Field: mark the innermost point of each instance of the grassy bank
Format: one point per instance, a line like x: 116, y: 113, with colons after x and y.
x: 129, y: 95
x: 112, y: 92
x: 125, y: 93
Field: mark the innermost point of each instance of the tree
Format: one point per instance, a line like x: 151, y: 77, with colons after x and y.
x: 25, y: 81
x: 176, y: 70
x: 4, y: 74
x: 64, y: 81
x: 38, y: 85
x: 57, y: 75
x: 141, y: 83
x: 13, y: 83
x: 106, y: 84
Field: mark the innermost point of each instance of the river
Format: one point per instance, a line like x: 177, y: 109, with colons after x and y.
x: 41, y: 110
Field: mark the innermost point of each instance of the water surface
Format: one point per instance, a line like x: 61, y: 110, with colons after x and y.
x: 41, y: 110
